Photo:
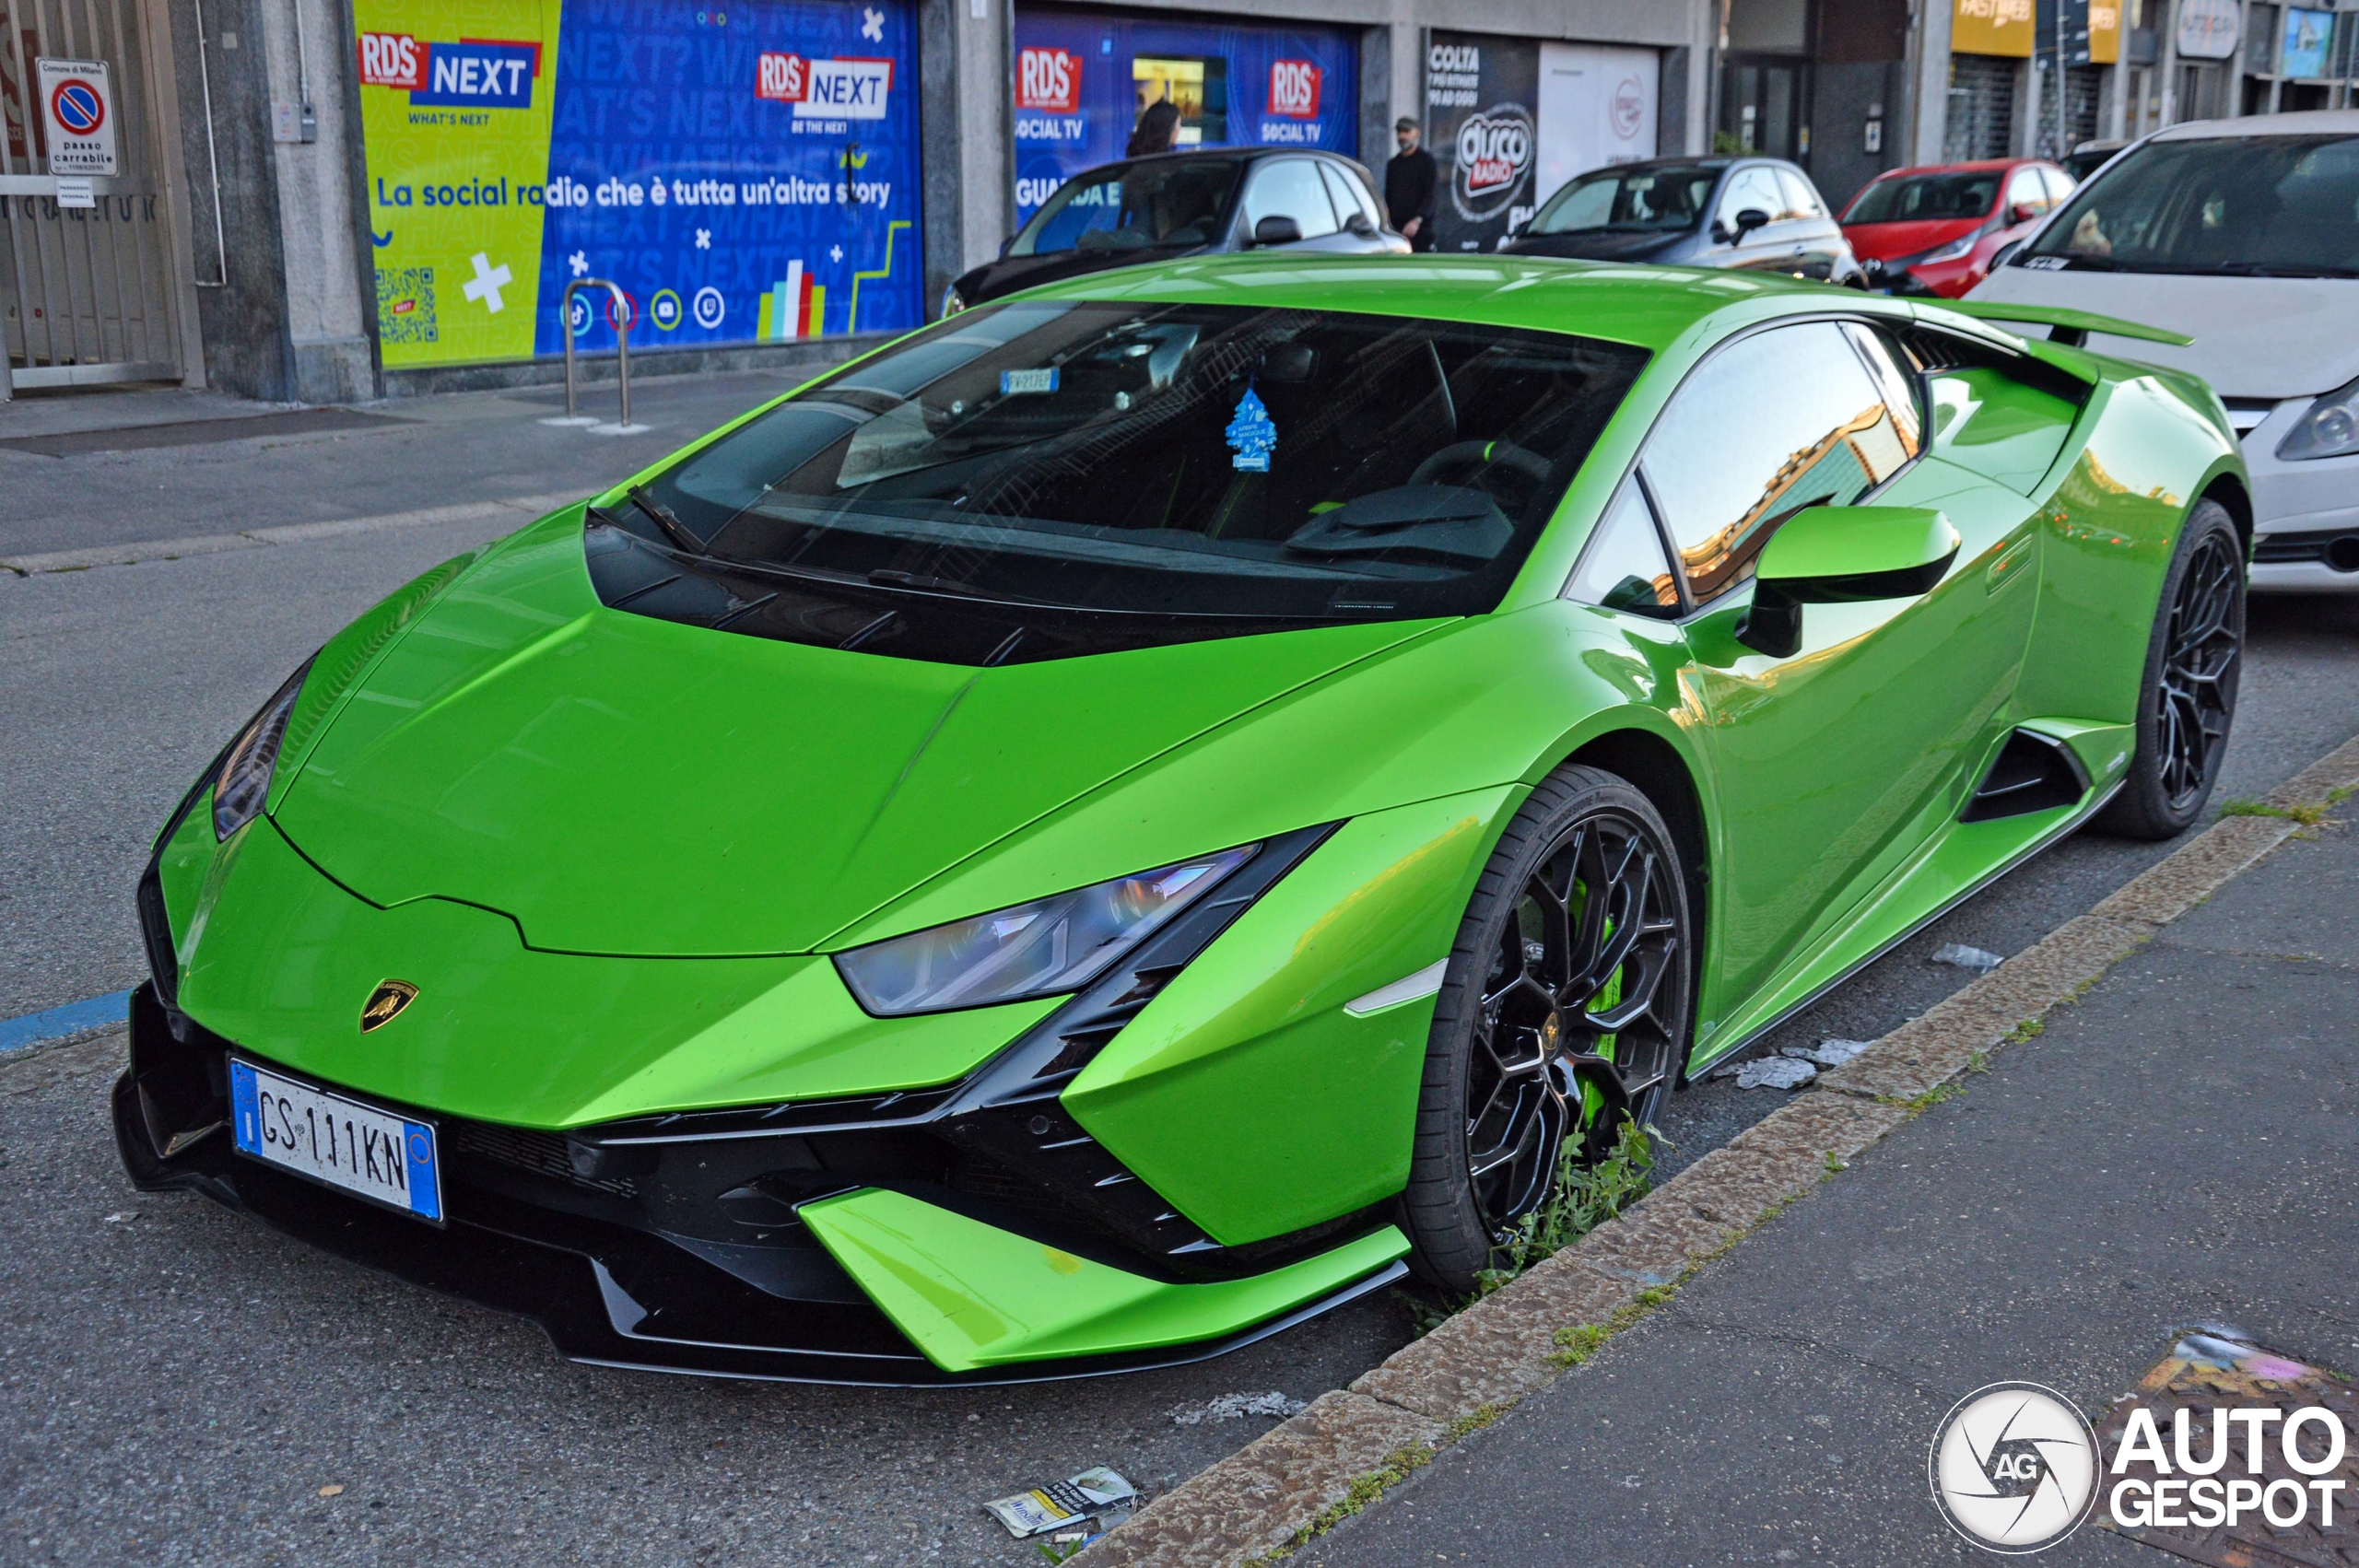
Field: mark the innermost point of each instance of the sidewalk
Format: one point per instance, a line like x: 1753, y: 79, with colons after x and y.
x: 2176, y: 1150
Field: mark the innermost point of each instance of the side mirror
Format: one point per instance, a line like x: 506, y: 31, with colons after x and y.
x: 1747, y: 220
x: 1842, y: 555
x: 1277, y: 229
x: 1359, y: 225
x: 1005, y: 246
x: 2022, y: 212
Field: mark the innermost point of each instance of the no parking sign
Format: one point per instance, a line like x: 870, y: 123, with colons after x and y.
x: 77, y: 108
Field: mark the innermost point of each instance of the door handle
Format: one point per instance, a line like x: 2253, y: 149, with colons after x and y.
x: 2009, y: 566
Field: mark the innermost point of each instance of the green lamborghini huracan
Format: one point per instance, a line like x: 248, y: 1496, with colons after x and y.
x: 1137, y: 814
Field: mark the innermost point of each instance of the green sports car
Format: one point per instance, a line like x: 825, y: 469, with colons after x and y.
x: 1136, y: 814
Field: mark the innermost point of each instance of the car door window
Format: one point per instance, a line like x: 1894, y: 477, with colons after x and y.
x: 1624, y: 566
x: 1350, y: 196
x: 1885, y: 367
x: 2024, y: 188
x: 1753, y: 187
x: 1775, y: 422
x: 1801, y: 200
x: 1290, y: 187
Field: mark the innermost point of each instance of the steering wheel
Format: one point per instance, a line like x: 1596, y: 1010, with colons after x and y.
x: 1472, y: 456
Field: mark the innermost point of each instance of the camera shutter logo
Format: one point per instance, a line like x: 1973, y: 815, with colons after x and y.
x: 2014, y: 1467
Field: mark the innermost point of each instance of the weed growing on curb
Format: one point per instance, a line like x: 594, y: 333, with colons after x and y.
x: 1979, y: 1061
x: 2309, y: 813
x: 1586, y: 1339
x: 1585, y: 1198
x: 1365, y: 1489
x: 2029, y: 1029
x: 1835, y: 1164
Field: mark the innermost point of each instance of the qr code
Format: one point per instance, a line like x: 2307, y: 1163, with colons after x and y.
x: 405, y: 305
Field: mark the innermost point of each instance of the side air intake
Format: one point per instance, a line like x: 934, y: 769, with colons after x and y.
x: 2032, y: 773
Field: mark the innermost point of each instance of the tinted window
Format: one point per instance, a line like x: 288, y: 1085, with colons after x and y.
x: 1290, y: 187
x: 1624, y: 567
x: 1754, y: 187
x: 2264, y: 206
x: 1132, y: 207
x: 1775, y: 422
x: 1913, y: 198
x: 1085, y: 475
x: 1884, y: 363
x: 1801, y: 200
x: 1671, y: 199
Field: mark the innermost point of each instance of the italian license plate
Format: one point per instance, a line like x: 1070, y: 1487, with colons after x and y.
x: 334, y: 1141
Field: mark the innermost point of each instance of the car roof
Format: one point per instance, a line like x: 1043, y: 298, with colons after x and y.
x: 1645, y: 305
x: 2300, y: 122
x: 1250, y: 151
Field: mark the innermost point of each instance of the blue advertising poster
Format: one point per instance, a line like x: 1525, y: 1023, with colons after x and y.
x: 1082, y: 81
x: 748, y: 173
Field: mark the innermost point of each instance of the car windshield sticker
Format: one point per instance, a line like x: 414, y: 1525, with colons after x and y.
x: 1251, y: 434
x: 1011, y: 383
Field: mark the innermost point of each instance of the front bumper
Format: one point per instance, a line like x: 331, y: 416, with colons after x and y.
x: 2305, y: 514
x: 712, y: 1245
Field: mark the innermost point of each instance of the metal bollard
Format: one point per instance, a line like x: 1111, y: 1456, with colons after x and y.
x: 622, y: 339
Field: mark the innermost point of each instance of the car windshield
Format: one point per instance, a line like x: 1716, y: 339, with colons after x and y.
x: 1669, y: 199
x: 2251, y: 206
x: 1071, y: 476
x: 1926, y: 198
x: 1134, y: 206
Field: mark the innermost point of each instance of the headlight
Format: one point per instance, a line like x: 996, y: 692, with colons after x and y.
x: 2329, y: 429
x: 952, y: 301
x: 244, y: 783
x: 1037, y: 949
x: 1950, y: 252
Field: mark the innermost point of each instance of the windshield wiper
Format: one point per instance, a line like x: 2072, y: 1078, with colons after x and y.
x: 2268, y: 269
x: 674, y: 529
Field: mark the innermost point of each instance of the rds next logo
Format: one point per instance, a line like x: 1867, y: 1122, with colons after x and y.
x: 474, y: 72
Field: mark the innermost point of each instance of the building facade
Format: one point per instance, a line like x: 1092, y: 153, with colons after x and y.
x: 334, y: 199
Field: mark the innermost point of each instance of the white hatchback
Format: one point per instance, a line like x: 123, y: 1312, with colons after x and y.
x: 2243, y: 234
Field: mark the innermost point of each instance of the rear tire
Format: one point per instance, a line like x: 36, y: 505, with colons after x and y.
x: 1564, y: 1007
x: 2187, y: 698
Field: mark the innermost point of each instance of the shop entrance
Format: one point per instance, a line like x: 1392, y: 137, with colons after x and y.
x: 88, y: 283
x: 1765, y: 106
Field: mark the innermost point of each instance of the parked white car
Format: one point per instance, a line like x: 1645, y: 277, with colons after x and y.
x: 2243, y: 234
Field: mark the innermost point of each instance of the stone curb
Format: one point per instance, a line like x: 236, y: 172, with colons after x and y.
x: 282, y: 533
x: 1429, y: 1392
x: 54, y: 1061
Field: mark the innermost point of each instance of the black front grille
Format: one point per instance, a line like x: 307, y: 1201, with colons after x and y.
x: 524, y: 1149
x: 2335, y: 546
x: 156, y: 933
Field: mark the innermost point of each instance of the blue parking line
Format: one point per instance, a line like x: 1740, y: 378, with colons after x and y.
x: 75, y: 1017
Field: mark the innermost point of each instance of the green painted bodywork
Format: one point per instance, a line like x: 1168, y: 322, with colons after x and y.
x: 2072, y: 320
x: 1839, y: 542
x: 613, y: 852
x: 973, y: 1297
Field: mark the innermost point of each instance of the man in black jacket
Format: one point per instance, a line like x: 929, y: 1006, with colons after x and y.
x: 1411, y: 183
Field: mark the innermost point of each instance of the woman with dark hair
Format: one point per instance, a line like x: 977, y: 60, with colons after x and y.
x: 1158, y: 123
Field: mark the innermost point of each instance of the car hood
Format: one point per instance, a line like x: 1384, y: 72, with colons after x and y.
x: 2255, y: 337
x: 1599, y: 245
x: 623, y: 785
x: 1009, y: 274
x: 1883, y: 241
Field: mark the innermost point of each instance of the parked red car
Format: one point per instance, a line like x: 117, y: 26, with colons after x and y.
x: 1934, y: 231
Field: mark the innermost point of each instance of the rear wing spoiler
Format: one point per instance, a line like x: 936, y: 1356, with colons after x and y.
x: 2068, y: 326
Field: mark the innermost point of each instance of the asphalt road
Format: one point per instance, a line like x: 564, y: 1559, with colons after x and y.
x: 180, y: 1385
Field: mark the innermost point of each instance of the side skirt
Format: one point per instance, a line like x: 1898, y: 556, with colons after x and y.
x: 1744, y: 1034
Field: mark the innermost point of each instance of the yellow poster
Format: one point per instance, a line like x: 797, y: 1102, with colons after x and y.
x: 2105, y: 32
x: 1992, y: 26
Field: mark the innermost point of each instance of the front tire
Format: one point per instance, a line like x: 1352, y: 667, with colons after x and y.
x: 2187, y: 698
x: 1563, y: 1008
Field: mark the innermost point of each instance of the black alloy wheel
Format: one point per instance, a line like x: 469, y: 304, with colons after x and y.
x: 1563, y: 1012
x: 2189, y: 697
